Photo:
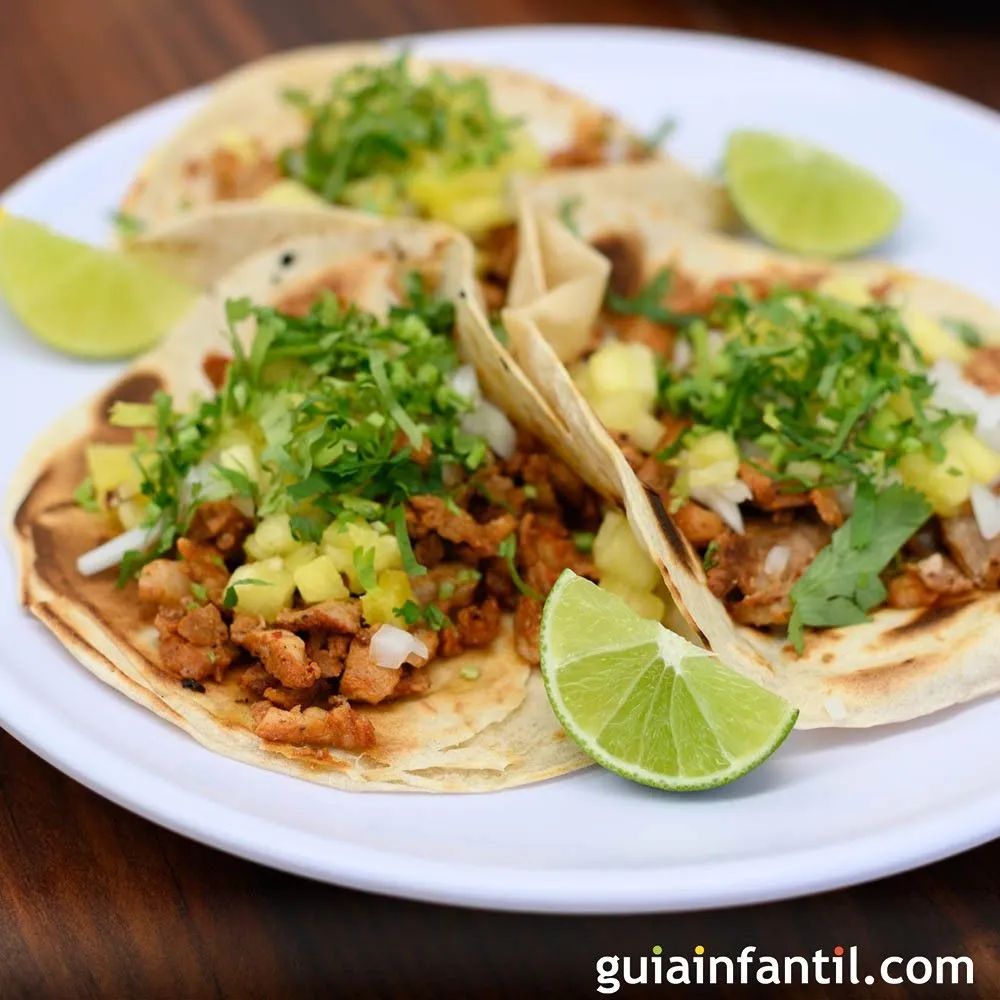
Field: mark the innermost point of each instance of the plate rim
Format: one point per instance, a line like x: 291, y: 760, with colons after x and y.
x: 569, y: 890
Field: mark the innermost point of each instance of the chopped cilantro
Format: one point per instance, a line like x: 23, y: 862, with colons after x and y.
x: 659, y: 135
x: 499, y: 330
x: 447, y: 590
x: 127, y: 224
x: 470, y: 673
x: 968, y: 333
x: 199, y: 591
x: 432, y: 616
x: 584, y: 541
x: 364, y: 566
x: 568, y: 208
x: 648, y: 303
x: 507, y: 550
x: 84, y: 496
x: 711, y: 554
x: 397, y: 518
x: 809, y: 379
x: 842, y: 583
x: 379, y: 122
x: 306, y: 527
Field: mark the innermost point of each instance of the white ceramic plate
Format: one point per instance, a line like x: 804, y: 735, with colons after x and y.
x: 830, y: 809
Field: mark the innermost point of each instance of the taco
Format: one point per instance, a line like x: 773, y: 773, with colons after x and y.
x: 810, y: 450
x: 366, y: 127
x: 315, y: 526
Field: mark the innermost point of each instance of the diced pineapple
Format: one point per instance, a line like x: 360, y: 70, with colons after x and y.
x: 475, y: 215
x: 617, y: 553
x: 131, y: 512
x: 642, y: 602
x: 979, y: 459
x: 291, y: 194
x: 111, y: 468
x: 934, y: 341
x: 712, y: 460
x: 393, y: 591
x: 619, y: 411
x: 320, y: 580
x: 272, y: 537
x: 853, y: 291
x: 350, y: 536
x: 580, y: 373
x: 646, y: 433
x: 304, y: 552
x: 268, y: 597
x: 387, y: 554
x: 945, y: 484
x: 621, y: 367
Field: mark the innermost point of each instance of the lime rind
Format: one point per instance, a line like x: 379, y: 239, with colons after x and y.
x: 652, y: 708
x: 82, y: 300
x: 805, y: 199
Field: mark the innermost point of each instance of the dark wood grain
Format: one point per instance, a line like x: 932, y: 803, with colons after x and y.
x: 95, y: 902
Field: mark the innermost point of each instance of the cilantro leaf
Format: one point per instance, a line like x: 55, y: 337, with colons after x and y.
x: 660, y: 134
x: 507, y: 550
x: 648, y: 303
x: 968, y: 333
x: 568, y: 208
x: 85, y: 496
x: 842, y: 583
x: 397, y: 518
x: 127, y: 224
x: 364, y: 565
x: 230, y: 597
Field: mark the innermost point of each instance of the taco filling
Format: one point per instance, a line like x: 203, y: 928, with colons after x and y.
x: 382, y: 140
x: 342, y: 510
x: 825, y: 448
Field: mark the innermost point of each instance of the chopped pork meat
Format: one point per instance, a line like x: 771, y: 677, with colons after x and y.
x: 983, y: 369
x: 336, y: 616
x: 194, y: 644
x: 363, y: 679
x: 907, y: 590
x: 942, y: 576
x: 205, y: 566
x: 449, y: 586
x: 479, y: 625
x: 698, y: 525
x: 340, y: 726
x: 545, y: 548
x: 328, y: 652
x: 772, y: 494
x: 234, y: 176
x: 756, y: 597
x: 221, y: 524
x: 433, y: 513
x: 527, y: 624
x: 978, y: 558
x: 283, y: 655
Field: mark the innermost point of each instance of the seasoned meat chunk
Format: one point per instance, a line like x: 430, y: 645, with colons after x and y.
x: 163, y: 582
x: 698, y: 525
x: 328, y: 652
x: 220, y: 523
x: 449, y: 586
x: 545, y: 548
x: 739, y: 577
x: 977, y: 558
x: 983, y: 369
x: 205, y: 566
x: 432, y: 513
x: 907, y: 590
x: 283, y: 655
x: 194, y: 644
x: 527, y: 623
x: 938, y: 573
x: 340, y: 726
x: 479, y: 625
x: 363, y: 679
x: 336, y: 616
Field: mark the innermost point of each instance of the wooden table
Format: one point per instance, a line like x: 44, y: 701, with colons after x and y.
x: 95, y: 902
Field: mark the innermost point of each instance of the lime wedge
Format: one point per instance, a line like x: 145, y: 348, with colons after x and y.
x: 646, y: 703
x: 804, y: 199
x: 84, y: 301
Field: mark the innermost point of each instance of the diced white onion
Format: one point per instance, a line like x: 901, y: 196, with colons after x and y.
x: 954, y: 393
x: 491, y: 423
x: 725, y: 500
x: 986, y: 510
x: 466, y: 383
x: 777, y: 559
x: 683, y: 354
x: 112, y: 552
x: 391, y: 647
x: 845, y: 497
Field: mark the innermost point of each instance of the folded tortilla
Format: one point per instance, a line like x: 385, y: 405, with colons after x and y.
x: 495, y: 732
x: 173, y: 183
x: 897, y: 666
